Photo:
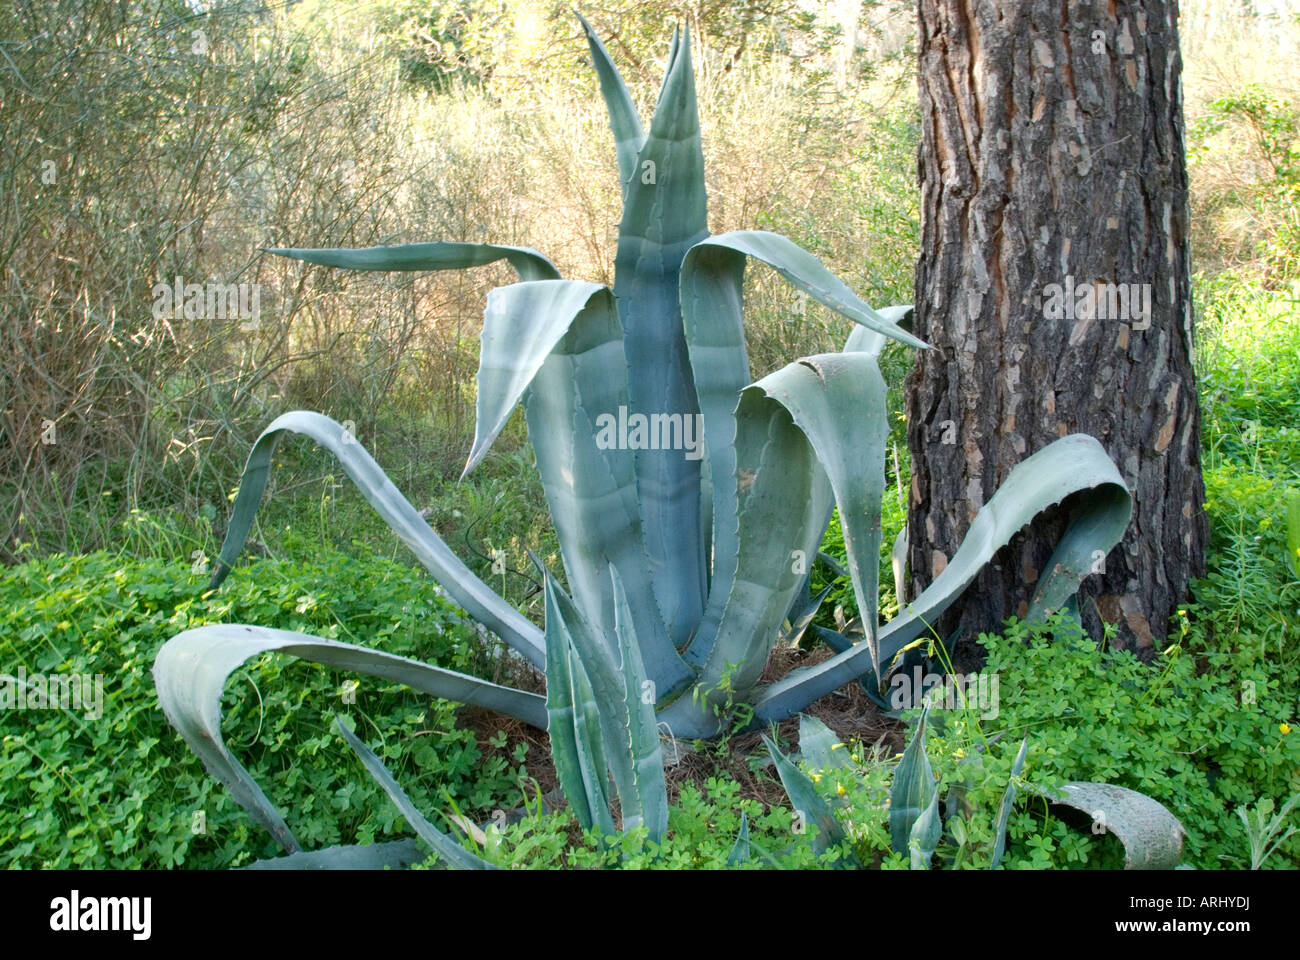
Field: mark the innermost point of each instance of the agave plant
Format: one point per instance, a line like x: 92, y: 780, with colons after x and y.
x: 689, y: 548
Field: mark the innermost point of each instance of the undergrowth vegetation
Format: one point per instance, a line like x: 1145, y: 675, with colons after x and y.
x: 380, y: 136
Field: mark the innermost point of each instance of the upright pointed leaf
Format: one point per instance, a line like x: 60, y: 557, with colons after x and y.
x: 645, y: 799
x: 664, y: 215
x: 607, y: 683
x: 588, y: 734
x: 924, y: 835
x: 560, y: 725
x: 1004, y: 809
x: 813, y: 809
x: 624, y: 121
x: 912, y: 791
x: 740, y: 849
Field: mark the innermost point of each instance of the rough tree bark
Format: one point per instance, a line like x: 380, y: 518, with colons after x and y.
x: 1053, y: 154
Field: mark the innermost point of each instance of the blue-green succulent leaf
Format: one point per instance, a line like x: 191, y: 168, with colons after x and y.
x: 1073, y: 464
x: 912, y: 791
x: 528, y: 263
x: 664, y: 215
x: 190, y: 673
x: 812, y: 807
x: 1004, y: 809
x: 447, y: 849
x: 624, y: 121
x: 460, y: 583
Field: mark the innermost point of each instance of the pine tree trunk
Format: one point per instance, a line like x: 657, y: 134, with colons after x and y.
x: 1053, y: 154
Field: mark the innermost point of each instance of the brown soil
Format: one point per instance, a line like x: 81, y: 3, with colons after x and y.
x: 847, y: 711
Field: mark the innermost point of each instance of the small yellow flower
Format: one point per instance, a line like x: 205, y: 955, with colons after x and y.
x: 960, y: 754
x: 817, y: 778
x: 1285, y: 728
x: 839, y: 789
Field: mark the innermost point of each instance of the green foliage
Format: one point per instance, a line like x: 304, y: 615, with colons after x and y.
x: 122, y: 792
x: 1201, y: 733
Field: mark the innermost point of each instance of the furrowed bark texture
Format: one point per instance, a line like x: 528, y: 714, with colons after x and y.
x: 1053, y: 154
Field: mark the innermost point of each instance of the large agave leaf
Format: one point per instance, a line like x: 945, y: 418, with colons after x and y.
x: 1073, y: 464
x: 808, y: 803
x: 664, y: 215
x: 912, y: 791
x: 624, y: 120
x: 528, y: 263
x: 190, y: 673
x: 782, y: 501
x: 571, y: 369
x: 447, y: 849
x: 397, y: 854
x: 478, y: 599
x: 1152, y: 836
x: 712, y: 282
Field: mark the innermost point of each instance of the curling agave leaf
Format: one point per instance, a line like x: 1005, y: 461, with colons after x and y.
x: 1072, y: 464
x: 821, y: 748
x: 560, y: 725
x: 396, y: 854
x: 820, y: 417
x: 740, y: 849
x: 924, y: 835
x: 477, y: 598
x: 782, y: 499
x: 624, y: 121
x: 873, y: 340
x: 447, y: 849
x: 190, y: 673
x: 574, y: 400
x: 808, y: 803
x: 645, y: 799
x: 664, y: 215
x: 1152, y: 836
x: 522, y: 324
x: 528, y: 263
x: 912, y: 791
x: 712, y: 281
x: 1004, y: 810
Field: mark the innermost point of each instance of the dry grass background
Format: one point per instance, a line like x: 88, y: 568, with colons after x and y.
x: 296, y: 125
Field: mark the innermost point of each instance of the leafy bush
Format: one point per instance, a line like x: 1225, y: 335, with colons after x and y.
x: 1202, y: 733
